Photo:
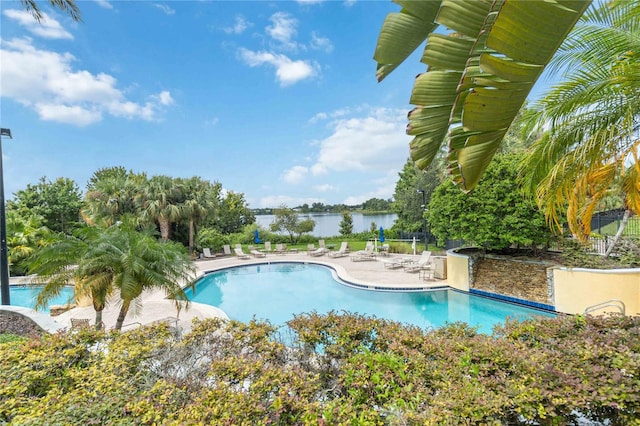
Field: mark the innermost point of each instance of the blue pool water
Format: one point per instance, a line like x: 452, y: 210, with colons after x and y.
x: 25, y: 296
x: 277, y: 291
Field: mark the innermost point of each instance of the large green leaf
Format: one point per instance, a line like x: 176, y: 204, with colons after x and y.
x: 402, y: 33
x: 482, y: 71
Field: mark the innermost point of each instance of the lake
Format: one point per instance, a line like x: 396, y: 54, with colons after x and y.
x: 328, y: 224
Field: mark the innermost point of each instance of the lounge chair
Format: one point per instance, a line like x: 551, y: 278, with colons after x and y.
x: 206, y: 252
x: 342, y: 251
x: 267, y: 247
x: 367, y: 254
x: 227, y: 249
x: 396, y: 262
x: 256, y: 253
x: 423, y: 263
x: 280, y: 248
x: 317, y: 252
x: 240, y: 254
x: 384, y: 250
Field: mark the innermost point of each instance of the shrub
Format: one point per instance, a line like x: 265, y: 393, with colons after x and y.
x: 335, y: 369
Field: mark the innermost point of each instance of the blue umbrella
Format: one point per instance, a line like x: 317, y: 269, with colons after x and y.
x: 381, y: 234
x: 256, y: 237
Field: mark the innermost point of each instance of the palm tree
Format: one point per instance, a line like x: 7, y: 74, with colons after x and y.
x: 592, y: 121
x: 70, y: 261
x: 102, y: 262
x: 141, y: 262
x: 110, y: 195
x: 479, y: 74
x: 68, y: 6
x: 200, y: 199
x: 160, y: 203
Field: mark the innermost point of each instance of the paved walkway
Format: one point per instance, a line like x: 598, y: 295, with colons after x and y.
x: 154, y: 306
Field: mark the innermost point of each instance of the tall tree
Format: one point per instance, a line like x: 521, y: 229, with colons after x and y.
x: 408, y: 201
x: 234, y: 214
x: 591, y: 120
x: 25, y: 234
x: 346, y: 224
x: 57, y: 202
x: 200, y: 201
x: 111, y: 194
x: 287, y: 220
x: 495, y: 215
x: 160, y: 203
x: 479, y: 73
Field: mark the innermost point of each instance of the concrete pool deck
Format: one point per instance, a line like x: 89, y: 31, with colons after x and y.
x: 154, y: 307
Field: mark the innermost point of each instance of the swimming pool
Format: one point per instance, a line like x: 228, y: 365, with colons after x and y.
x: 278, y: 291
x: 25, y: 296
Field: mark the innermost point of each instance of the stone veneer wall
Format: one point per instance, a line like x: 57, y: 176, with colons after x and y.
x: 522, y: 279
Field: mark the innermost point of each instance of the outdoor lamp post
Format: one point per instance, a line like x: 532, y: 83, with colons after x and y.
x: 424, y: 219
x: 4, y: 257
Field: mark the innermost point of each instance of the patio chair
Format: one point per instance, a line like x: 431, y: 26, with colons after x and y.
x: 342, y: 251
x: 79, y: 323
x: 310, y: 248
x: 241, y: 254
x: 267, y: 247
x: 256, y: 253
x: 320, y: 251
x: 227, y: 249
x: 396, y: 262
x: 206, y: 252
x: 367, y: 254
x: 280, y: 248
x: 422, y: 263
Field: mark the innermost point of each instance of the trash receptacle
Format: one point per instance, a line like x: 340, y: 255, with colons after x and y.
x: 440, y: 267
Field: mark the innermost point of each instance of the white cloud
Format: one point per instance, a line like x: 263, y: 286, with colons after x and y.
x: 104, y: 4
x: 349, y: 3
x: 212, y: 121
x: 46, y: 82
x: 320, y: 43
x: 324, y: 188
x: 239, y: 27
x: 288, y: 71
x: 334, y: 114
x: 309, y: 2
x: 283, y: 29
x: 375, y: 142
x: 47, y: 27
x: 296, y: 174
x: 165, y: 8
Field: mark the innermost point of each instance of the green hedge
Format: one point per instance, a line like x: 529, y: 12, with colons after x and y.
x: 337, y: 369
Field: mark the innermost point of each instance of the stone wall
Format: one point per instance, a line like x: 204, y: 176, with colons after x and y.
x: 522, y: 279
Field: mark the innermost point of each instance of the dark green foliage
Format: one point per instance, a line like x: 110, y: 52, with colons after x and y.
x: 337, y: 369
x: 495, y: 215
x: 346, y: 224
x: 579, y: 255
x: 58, y: 203
x: 288, y: 221
x: 408, y: 201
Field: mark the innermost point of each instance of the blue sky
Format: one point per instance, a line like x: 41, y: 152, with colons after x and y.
x: 277, y: 100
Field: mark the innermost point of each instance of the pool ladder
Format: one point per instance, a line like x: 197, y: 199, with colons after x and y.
x: 613, y: 303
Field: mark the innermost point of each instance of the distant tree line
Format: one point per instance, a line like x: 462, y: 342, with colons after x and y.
x: 371, y: 205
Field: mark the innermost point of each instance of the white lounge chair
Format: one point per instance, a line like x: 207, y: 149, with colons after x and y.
x: 281, y: 248
x: 310, y: 248
x: 256, y: 253
x: 267, y: 247
x: 206, y: 252
x: 367, y: 254
x: 241, y: 254
x: 227, y: 249
x: 320, y: 251
x: 396, y: 262
x: 342, y: 251
x: 423, y: 263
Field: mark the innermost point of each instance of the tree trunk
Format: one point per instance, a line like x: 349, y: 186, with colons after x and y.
x: 165, y: 229
x: 123, y: 313
x: 191, y: 233
x: 623, y: 224
x: 99, y: 319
